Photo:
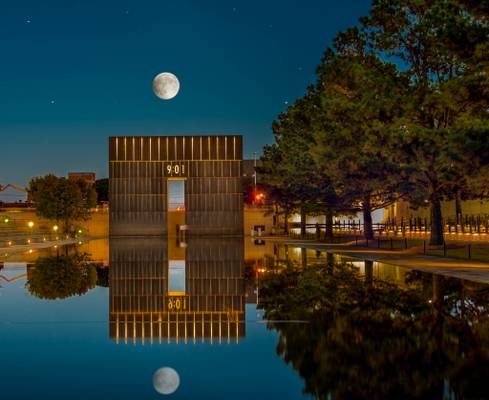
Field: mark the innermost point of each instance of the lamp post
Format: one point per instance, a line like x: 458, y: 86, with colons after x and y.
x: 254, y: 170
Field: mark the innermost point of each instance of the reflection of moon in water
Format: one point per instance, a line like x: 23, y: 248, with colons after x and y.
x: 166, y: 380
x: 166, y: 85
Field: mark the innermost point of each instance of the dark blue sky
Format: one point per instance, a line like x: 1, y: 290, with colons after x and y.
x: 74, y: 72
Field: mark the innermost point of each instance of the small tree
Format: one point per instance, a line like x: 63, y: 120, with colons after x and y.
x: 59, y: 199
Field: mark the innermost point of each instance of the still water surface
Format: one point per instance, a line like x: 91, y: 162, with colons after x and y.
x: 97, y: 321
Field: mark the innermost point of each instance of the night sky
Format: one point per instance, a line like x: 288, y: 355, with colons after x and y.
x: 75, y: 72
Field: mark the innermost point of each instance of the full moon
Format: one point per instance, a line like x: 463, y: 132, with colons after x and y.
x: 166, y: 380
x: 166, y: 85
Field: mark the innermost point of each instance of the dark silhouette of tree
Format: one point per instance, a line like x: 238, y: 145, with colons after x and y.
x: 368, y: 339
x: 61, y: 276
x: 102, y: 276
x: 102, y: 189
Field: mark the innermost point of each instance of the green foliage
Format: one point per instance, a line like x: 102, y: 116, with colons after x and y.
x: 359, y: 98
x: 59, y: 199
x: 292, y: 178
x: 367, y: 339
x: 400, y: 109
x: 58, y: 277
x: 443, y: 52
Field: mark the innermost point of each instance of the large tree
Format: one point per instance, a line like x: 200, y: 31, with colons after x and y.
x: 437, y: 44
x: 288, y: 167
x: 360, y: 97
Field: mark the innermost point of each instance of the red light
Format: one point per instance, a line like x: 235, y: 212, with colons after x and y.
x: 259, y: 196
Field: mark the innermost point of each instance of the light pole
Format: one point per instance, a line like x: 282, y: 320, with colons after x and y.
x: 254, y: 170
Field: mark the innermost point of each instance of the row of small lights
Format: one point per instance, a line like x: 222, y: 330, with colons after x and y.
x: 31, y: 224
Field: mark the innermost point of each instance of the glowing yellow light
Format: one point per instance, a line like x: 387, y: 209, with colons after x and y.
x: 6, y: 220
x: 80, y: 231
x: 55, y: 246
x: 55, y: 228
x: 10, y: 243
x: 29, y: 241
x: 30, y: 224
x: 30, y: 250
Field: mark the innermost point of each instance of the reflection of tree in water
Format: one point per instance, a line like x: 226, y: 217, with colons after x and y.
x: 61, y: 276
x: 368, y: 339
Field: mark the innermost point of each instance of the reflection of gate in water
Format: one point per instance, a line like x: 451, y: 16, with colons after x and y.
x: 160, y: 290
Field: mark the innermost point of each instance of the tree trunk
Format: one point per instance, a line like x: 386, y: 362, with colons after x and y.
x: 304, y: 257
x: 286, y: 222
x: 330, y: 263
x: 458, y: 205
x: 303, y: 222
x: 367, y: 219
x: 369, y: 272
x: 329, y: 224
x: 436, y: 221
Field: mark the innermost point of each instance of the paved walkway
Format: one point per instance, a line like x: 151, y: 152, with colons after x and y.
x: 462, y: 269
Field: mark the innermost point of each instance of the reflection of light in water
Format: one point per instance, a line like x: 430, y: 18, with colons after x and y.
x: 297, y: 251
x: 166, y: 380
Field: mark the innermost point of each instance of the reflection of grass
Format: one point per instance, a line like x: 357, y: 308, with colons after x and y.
x: 456, y: 250
x: 479, y: 251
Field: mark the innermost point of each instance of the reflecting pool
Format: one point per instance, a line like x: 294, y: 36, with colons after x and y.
x: 150, y: 318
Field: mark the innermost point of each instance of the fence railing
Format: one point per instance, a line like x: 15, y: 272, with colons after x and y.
x: 464, y: 225
x: 477, y: 251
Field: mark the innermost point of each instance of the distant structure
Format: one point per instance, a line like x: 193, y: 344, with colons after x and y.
x: 160, y: 185
x: 87, y: 177
x: 13, y: 195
